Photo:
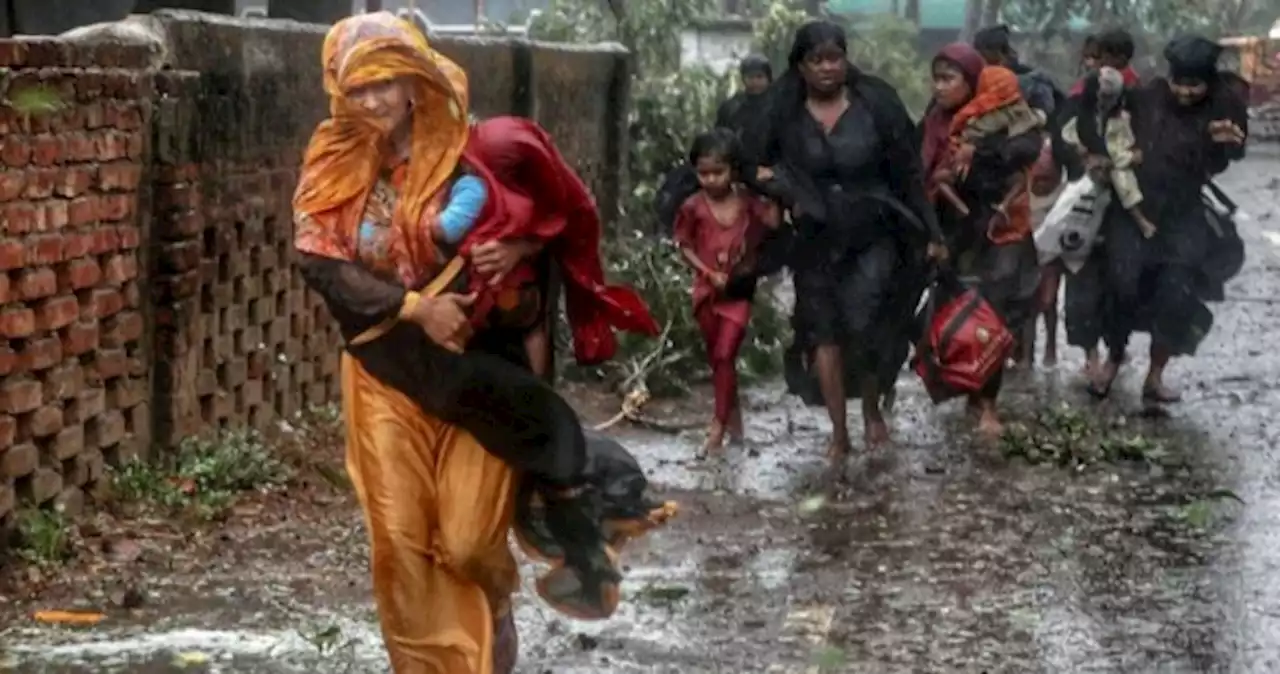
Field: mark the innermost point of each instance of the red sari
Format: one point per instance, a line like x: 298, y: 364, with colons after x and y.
x: 723, y: 322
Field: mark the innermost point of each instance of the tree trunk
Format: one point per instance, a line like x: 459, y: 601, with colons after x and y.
x: 912, y: 12
x: 972, y: 17
x: 991, y: 12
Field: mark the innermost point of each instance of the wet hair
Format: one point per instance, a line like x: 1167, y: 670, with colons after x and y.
x: 1193, y: 57
x: 721, y: 144
x: 787, y: 94
x: 1116, y: 42
x: 1090, y: 43
x: 755, y: 64
x: 994, y: 39
x: 813, y: 35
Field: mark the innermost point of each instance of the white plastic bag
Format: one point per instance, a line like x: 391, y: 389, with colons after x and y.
x: 1069, y: 230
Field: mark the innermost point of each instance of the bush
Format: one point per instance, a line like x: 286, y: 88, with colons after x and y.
x: 669, y: 364
x: 205, y: 475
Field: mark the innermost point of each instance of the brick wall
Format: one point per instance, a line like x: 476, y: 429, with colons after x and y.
x: 147, y: 290
x: 74, y: 388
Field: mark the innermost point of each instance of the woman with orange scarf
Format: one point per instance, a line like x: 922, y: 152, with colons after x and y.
x: 439, y: 490
x: 979, y: 184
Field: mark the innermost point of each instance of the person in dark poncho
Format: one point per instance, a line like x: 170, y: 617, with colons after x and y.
x: 742, y: 111
x: 1189, y: 126
x: 841, y: 153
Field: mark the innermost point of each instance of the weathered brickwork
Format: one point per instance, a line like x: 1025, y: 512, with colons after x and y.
x: 147, y: 284
x: 74, y: 385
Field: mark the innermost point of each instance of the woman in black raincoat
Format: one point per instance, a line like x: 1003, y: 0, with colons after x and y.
x: 842, y: 155
x: 1190, y: 126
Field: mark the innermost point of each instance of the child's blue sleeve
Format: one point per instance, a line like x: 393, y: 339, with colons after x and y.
x: 466, y: 200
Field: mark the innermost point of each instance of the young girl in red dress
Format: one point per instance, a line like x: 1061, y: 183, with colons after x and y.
x: 716, y: 229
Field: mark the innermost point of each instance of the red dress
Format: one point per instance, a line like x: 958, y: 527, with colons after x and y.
x: 723, y: 323
x: 719, y: 246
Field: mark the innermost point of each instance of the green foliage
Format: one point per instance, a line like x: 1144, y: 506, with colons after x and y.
x: 669, y: 364
x: 885, y: 46
x: 205, y: 475
x: 649, y: 28
x: 1067, y: 436
x: 44, y: 536
x: 667, y: 112
x: 775, y: 30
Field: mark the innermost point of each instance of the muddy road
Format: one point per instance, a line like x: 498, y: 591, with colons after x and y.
x: 940, y: 554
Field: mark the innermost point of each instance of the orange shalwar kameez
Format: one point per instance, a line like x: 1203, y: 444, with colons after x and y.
x: 436, y: 504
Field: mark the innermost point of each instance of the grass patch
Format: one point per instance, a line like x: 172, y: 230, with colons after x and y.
x: 204, y: 477
x: 1065, y: 436
x: 44, y: 537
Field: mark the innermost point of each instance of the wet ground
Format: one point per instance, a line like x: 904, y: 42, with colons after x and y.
x: 940, y: 555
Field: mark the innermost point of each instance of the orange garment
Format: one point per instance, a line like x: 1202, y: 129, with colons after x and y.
x: 998, y: 88
x: 344, y: 158
x: 437, y: 505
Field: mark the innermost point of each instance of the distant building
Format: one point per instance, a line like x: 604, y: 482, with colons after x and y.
x: 718, y: 44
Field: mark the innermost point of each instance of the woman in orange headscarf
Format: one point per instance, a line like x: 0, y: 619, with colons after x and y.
x: 979, y: 142
x: 440, y: 496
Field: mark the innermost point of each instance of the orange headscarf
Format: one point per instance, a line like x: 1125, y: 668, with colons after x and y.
x: 344, y: 158
x: 997, y: 88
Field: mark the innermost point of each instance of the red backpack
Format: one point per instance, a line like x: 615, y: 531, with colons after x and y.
x: 965, y: 343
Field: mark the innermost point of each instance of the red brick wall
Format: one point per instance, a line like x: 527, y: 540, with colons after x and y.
x: 74, y: 383
x: 147, y: 290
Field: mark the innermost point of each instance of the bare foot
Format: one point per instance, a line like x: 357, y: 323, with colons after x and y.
x: 838, y: 448
x: 876, y: 433
x: 989, y: 424
x: 1091, y: 363
x: 715, y: 439
x: 973, y: 407
x: 1051, y: 357
x: 1104, y: 377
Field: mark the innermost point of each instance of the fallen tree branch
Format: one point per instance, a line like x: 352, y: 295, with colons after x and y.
x: 631, y: 404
